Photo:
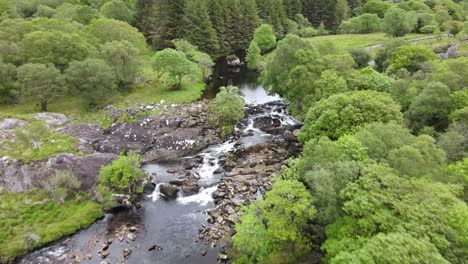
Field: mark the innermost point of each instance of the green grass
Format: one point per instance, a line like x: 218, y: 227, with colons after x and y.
x: 345, y: 41
x: 35, y: 213
x: 74, y: 107
x: 36, y: 142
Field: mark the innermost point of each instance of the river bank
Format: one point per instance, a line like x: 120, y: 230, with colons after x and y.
x: 184, y: 229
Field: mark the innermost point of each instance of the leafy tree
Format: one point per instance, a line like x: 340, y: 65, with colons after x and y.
x: 45, y: 11
x: 360, y: 56
x: 392, y: 247
x: 398, y: 22
x: 53, y: 47
x: 264, y: 37
x: 7, y: 9
x: 370, y: 79
x: 343, y: 113
x: 227, y: 109
x: 204, y: 61
x: 453, y: 73
x: 330, y: 83
x: 253, y: 55
x: 109, y: 30
x: 380, y: 202
x: 459, y: 171
x: 379, y: 139
x: 455, y: 141
x: 175, y: 64
x: 198, y: 29
x: 420, y: 158
x: 7, y: 82
x: 430, y: 107
x: 118, y: 10
x: 122, y: 56
x: 453, y: 27
x: 92, y: 78
x: 124, y: 175
x: 441, y: 15
x: 410, y: 58
x: 377, y: 7
x: 276, y: 223
x: 365, y: 23
x: 382, y: 54
x: 326, y: 182
x: 342, y: 10
x: 403, y: 92
x: 292, y: 69
x: 41, y: 82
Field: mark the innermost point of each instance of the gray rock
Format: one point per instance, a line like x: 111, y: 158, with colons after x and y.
x: 127, y: 252
x: 10, y: 123
x: 168, y: 191
x: 131, y: 236
x: 85, y: 168
x: 52, y: 119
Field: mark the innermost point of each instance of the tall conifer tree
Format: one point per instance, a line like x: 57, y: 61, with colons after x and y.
x: 197, y: 26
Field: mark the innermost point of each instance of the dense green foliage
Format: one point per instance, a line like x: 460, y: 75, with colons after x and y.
x: 124, y: 175
x: 385, y: 140
x: 275, y: 224
x: 344, y: 113
x: 33, y: 219
x: 227, y: 109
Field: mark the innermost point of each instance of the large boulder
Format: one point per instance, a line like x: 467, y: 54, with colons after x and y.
x: 84, y: 168
x: 10, y: 123
x: 168, y: 191
x: 52, y: 119
x: 17, y: 176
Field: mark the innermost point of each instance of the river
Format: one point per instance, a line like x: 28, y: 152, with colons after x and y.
x: 168, y: 229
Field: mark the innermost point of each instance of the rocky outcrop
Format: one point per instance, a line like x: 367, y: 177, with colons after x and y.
x: 183, y: 132
x: 179, y: 131
x: 17, y: 176
x: 249, y: 174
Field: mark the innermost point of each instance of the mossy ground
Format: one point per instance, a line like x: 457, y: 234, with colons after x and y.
x: 24, y: 214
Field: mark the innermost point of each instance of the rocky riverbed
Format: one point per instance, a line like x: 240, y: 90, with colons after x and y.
x: 178, y: 131
x: 199, y: 181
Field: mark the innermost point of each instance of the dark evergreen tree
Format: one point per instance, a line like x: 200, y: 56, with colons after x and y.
x: 197, y: 26
x: 292, y: 8
x: 219, y: 24
x: 175, y: 16
x: 249, y: 21
x: 321, y: 11
x: 152, y: 20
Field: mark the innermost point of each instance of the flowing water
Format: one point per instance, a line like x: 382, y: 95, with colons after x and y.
x: 173, y: 225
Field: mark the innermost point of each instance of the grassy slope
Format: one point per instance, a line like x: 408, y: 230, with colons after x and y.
x: 35, y: 213
x: 358, y: 40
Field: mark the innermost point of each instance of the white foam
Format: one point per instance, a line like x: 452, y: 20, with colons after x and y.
x: 156, y: 193
x: 203, y: 197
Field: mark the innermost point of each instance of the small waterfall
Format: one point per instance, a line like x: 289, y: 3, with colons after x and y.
x: 203, y: 197
x: 156, y: 193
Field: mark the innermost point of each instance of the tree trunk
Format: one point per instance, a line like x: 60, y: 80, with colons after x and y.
x: 44, y: 106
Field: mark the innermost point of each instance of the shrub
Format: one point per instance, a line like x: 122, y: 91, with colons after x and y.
x: 227, y: 109
x: 124, y: 175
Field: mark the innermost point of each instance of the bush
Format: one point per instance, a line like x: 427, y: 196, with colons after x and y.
x: 227, y: 109
x: 343, y: 113
x: 429, y: 29
x: 61, y: 185
x: 124, y: 175
x: 360, y: 56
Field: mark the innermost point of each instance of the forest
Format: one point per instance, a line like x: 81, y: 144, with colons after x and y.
x: 379, y: 86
